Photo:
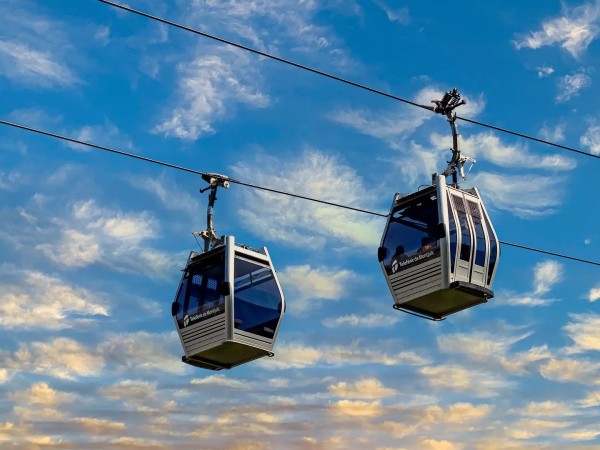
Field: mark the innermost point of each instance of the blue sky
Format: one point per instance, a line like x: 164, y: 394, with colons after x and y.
x: 91, y: 244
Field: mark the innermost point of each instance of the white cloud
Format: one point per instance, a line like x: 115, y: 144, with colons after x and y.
x: 42, y: 396
x: 584, y: 330
x: 532, y: 428
x: 546, y: 409
x: 107, y: 134
x: 362, y: 321
x: 356, y: 408
x: 143, y: 351
x: 297, y: 355
x: 102, y: 35
x: 594, y: 294
x: 301, y: 223
x: 591, y: 138
x: 435, y: 444
x: 97, y: 426
x: 494, y: 349
x: 583, y: 434
x: 365, y: 388
x: 34, y: 49
x: 400, y: 15
x: 573, y: 31
x: 570, y: 370
x: 208, y: 86
x: 400, y: 123
x: 23, y: 64
x: 130, y: 390
x: 546, y: 275
x: 60, y: 357
x: 487, y: 146
x: 10, y: 180
x: 570, y: 85
x: 463, y: 379
x: 221, y: 381
x: 94, y: 234
x: 325, y: 284
x: 591, y: 400
x: 544, y: 71
x: 555, y: 134
x: 525, y: 196
x: 169, y: 194
x: 288, y: 24
x: 43, y: 302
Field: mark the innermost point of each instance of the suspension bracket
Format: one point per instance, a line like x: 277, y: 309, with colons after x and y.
x: 446, y: 106
x: 214, y: 181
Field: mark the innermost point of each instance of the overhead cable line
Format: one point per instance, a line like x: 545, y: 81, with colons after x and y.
x: 337, y: 78
x: 524, y: 247
x: 185, y: 169
x: 253, y: 186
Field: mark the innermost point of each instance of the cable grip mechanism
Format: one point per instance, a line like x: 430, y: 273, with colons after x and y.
x: 446, y: 106
x: 209, y: 235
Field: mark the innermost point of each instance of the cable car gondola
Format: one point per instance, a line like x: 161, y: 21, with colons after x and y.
x: 439, y: 251
x: 229, y: 303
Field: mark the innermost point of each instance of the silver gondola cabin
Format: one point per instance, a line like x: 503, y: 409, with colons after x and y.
x: 439, y: 251
x: 229, y: 303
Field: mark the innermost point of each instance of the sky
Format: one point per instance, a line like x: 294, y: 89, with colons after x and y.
x: 92, y: 244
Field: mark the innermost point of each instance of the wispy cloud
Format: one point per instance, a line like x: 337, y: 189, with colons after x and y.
x: 325, y: 284
x: 107, y: 134
x: 493, y: 349
x: 296, y: 355
x: 584, y: 330
x: 525, y: 196
x: 570, y: 85
x: 546, y: 275
x: 573, y: 31
x: 489, y: 147
x: 569, y: 370
x: 207, y: 89
x: 60, y: 357
x: 400, y: 15
x: 266, y: 25
x: 554, y: 134
x: 370, y: 388
x: 362, y: 321
x: 43, y: 302
x: 170, y: 195
x: 544, y: 71
x: 34, y: 48
x: 396, y: 125
x: 300, y: 223
x: 594, y: 294
x: 463, y: 379
x: 25, y: 65
x: 94, y: 234
x: 591, y: 138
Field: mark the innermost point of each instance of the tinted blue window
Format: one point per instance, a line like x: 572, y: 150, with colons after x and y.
x: 493, y: 251
x: 452, y: 237
x: 199, y: 295
x: 258, y: 303
x: 412, y: 233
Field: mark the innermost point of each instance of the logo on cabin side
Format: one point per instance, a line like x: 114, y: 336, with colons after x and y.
x: 186, y: 320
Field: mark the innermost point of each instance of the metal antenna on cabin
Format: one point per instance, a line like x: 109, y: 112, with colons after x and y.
x: 446, y: 106
x: 214, y: 180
